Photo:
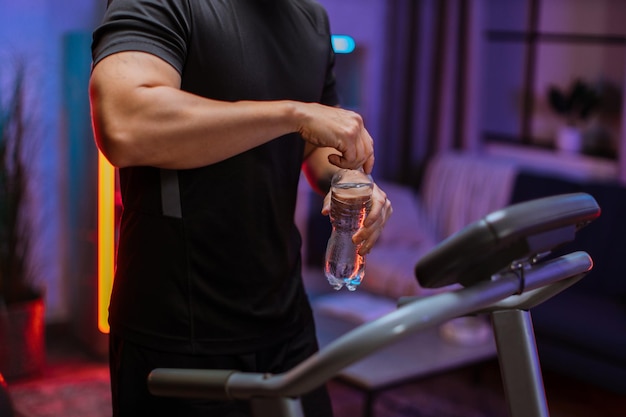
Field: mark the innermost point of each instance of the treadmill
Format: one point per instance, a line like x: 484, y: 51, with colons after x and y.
x: 504, y: 265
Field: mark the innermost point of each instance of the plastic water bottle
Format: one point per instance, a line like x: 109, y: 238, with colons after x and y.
x: 351, y: 200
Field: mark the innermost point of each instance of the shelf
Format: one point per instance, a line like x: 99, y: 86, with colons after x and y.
x: 564, y: 164
x: 554, y: 37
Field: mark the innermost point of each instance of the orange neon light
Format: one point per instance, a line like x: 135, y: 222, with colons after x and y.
x: 106, y: 238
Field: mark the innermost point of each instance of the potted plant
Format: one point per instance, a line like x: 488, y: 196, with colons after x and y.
x: 575, y: 105
x: 22, y: 348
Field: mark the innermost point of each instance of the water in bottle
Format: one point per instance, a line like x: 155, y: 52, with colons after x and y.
x: 350, y: 203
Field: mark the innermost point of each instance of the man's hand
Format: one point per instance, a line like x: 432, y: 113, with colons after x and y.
x: 340, y: 129
x: 374, y: 223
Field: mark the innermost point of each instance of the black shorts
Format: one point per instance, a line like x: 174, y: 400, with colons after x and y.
x: 130, y: 365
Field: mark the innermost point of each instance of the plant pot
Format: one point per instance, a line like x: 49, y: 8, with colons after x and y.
x: 569, y: 139
x: 22, y: 350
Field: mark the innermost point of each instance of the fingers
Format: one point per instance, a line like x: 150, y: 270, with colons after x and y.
x: 342, y: 130
x: 368, y: 165
x: 356, y: 157
x: 375, y: 221
x: 359, y: 148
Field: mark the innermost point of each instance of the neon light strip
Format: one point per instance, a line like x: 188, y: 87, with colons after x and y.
x: 106, y: 238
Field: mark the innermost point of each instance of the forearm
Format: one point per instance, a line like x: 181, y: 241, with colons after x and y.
x: 169, y: 128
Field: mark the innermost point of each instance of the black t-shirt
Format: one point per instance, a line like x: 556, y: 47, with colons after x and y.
x: 225, y: 275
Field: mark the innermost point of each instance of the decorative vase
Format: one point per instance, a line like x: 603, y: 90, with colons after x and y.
x: 569, y: 139
x: 22, y: 346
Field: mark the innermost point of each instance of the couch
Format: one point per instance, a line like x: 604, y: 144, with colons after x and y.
x: 581, y: 332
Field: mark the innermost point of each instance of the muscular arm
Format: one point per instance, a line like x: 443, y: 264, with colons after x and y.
x: 141, y: 117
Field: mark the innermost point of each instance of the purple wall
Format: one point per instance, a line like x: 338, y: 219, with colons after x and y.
x: 33, y: 30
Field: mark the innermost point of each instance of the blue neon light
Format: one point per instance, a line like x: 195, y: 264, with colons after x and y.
x: 343, y: 44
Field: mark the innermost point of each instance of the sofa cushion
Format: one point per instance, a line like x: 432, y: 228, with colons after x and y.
x: 389, y: 270
x: 603, y: 239
x: 408, y: 224
x: 407, y: 236
x: 461, y: 188
x: 584, y: 323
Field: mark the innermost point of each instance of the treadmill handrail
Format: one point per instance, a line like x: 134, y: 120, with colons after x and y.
x: 364, y: 340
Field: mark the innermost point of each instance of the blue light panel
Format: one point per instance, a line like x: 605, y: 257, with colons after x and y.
x: 343, y: 44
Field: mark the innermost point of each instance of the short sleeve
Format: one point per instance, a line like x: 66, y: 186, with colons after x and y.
x: 158, y: 27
